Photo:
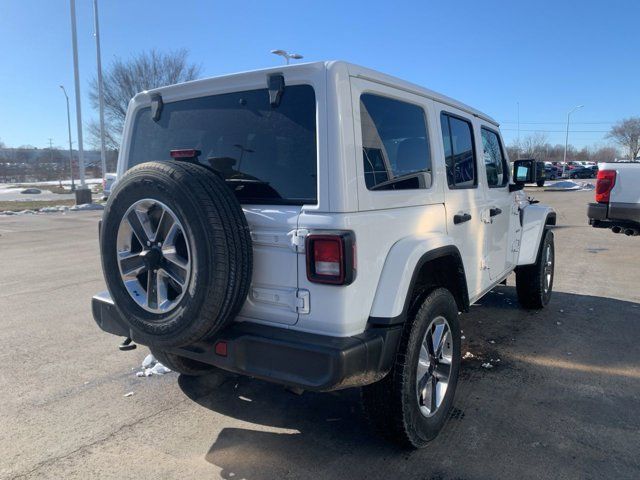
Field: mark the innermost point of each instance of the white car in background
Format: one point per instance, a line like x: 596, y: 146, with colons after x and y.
x: 107, y: 184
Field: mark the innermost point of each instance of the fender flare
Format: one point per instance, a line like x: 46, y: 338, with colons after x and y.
x: 400, y: 273
x: 535, y: 219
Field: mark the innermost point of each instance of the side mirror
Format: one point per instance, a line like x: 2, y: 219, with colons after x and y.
x: 524, y: 171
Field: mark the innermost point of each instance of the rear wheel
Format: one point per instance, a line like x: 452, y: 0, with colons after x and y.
x: 534, y: 283
x: 540, y: 183
x: 411, y: 404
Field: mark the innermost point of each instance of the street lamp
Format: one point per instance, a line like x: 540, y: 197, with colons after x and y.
x: 566, y: 139
x: 286, y: 55
x: 73, y: 185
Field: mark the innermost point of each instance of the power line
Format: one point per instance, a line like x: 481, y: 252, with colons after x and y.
x: 557, y: 131
x: 559, y: 123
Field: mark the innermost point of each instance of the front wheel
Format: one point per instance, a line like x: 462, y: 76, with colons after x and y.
x: 540, y: 183
x: 411, y: 404
x: 534, y: 283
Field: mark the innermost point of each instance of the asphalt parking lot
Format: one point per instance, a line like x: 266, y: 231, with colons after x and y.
x: 563, y: 402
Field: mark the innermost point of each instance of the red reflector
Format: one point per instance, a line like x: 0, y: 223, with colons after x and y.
x: 221, y: 349
x: 186, y: 153
x: 604, y: 185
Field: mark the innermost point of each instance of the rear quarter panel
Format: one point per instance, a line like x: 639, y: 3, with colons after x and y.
x: 344, y: 311
x: 627, y: 186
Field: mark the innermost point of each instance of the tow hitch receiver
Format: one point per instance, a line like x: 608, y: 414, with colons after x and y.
x: 127, y: 344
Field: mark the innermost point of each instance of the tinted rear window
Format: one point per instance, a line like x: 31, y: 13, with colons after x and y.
x: 266, y: 155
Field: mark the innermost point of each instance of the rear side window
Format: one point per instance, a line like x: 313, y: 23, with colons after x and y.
x: 395, y: 145
x: 457, y: 138
x: 265, y: 155
x: 494, y: 162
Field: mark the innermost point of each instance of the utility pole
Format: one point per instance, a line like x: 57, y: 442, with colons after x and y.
x: 518, y: 104
x: 566, y: 139
x: 83, y: 194
x: 73, y: 185
x: 103, y: 156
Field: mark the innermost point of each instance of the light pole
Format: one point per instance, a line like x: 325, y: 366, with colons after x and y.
x: 103, y: 157
x: 83, y: 194
x: 566, y: 138
x: 73, y: 185
x: 286, y: 55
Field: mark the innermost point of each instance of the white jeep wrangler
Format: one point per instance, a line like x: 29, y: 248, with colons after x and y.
x: 320, y: 226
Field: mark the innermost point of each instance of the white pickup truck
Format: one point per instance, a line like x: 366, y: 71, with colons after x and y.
x: 617, y: 203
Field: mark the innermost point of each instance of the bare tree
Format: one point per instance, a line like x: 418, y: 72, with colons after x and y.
x: 535, y: 146
x: 124, y: 78
x: 627, y: 134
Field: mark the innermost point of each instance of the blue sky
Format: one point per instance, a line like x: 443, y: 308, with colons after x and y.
x: 547, y: 55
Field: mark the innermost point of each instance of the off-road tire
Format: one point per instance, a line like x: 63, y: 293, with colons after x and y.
x: 391, y: 405
x: 183, y: 365
x: 540, y: 183
x: 218, y: 236
x: 530, y: 279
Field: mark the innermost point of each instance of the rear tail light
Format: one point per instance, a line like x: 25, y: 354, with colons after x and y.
x: 331, y: 258
x: 604, y: 185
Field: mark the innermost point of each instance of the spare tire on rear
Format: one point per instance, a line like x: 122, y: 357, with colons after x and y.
x: 176, y: 252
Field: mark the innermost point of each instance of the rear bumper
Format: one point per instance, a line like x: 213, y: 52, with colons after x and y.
x: 279, y: 355
x: 623, y: 215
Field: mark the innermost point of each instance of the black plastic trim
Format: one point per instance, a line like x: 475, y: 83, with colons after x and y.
x: 434, y: 254
x: 299, y: 359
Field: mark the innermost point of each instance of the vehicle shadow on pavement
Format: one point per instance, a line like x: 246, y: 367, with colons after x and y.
x: 563, y: 384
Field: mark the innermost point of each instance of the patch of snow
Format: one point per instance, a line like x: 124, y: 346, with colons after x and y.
x: 151, y: 366
x: 487, y: 365
x: 148, y: 361
x: 468, y: 355
x: 87, y: 206
x: 129, y: 394
x: 57, y: 208
x: 569, y: 185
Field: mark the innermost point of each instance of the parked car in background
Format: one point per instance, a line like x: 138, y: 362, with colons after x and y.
x: 107, y: 184
x: 552, y: 172
x: 582, y: 172
x: 617, y: 204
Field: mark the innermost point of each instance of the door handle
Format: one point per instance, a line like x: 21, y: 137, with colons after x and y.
x: 461, y: 218
x: 495, y: 211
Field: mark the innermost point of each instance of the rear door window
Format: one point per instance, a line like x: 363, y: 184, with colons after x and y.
x: 457, y: 138
x: 265, y: 155
x: 395, y: 145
